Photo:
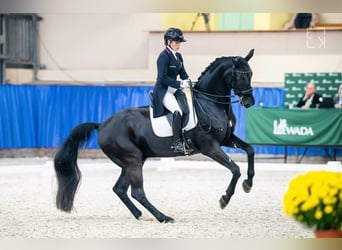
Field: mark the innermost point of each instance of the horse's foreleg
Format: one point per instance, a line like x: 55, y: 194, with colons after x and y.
x: 231, y: 187
x: 217, y: 154
x: 236, y: 142
x: 120, y: 188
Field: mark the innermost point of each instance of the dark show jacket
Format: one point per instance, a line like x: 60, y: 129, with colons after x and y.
x: 168, y: 70
x: 315, y: 101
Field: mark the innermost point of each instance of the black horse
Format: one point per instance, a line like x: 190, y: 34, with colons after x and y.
x: 128, y: 140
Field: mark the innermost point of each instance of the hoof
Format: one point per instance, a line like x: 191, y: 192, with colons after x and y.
x: 168, y: 219
x: 223, y: 203
x: 247, y: 188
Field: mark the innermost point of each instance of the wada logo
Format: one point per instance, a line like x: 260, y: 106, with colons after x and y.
x: 290, y: 96
x: 290, y: 82
x: 281, y: 128
x: 296, y: 89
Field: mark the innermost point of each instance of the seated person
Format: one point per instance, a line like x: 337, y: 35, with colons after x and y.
x: 310, y: 99
x: 338, y: 98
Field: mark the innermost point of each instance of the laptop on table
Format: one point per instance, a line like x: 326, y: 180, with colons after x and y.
x: 327, y: 102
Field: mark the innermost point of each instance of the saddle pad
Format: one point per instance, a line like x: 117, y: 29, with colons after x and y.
x: 161, y: 126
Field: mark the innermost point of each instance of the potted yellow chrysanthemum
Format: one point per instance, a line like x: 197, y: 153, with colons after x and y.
x: 315, y: 199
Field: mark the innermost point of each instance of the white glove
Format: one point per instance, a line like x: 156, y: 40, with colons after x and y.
x: 185, y: 83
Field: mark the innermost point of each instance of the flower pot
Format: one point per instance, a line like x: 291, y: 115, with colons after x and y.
x: 328, y: 233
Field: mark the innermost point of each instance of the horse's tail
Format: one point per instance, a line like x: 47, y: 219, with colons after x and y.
x: 65, y: 162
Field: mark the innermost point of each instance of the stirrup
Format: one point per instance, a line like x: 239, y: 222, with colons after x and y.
x: 178, y: 147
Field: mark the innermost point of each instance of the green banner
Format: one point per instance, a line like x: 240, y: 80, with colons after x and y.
x: 326, y: 85
x: 310, y: 127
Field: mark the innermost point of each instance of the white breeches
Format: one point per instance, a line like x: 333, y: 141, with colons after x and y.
x: 170, y: 102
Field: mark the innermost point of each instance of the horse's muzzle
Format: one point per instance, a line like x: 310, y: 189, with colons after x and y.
x: 247, y: 101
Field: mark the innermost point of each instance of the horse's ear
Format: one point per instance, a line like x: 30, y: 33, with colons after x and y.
x: 250, y: 54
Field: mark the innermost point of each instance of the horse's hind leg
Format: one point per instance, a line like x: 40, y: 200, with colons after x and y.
x: 132, y: 176
x: 238, y: 143
x: 120, y: 188
x: 138, y: 193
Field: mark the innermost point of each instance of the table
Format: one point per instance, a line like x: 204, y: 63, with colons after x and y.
x: 294, y: 127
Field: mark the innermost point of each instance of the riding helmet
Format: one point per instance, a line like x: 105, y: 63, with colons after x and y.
x: 174, y: 34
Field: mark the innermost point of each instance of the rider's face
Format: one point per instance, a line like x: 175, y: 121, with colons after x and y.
x: 175, y: 45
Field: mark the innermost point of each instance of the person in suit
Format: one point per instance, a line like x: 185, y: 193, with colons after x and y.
x: 171, y: 77
x: 310, y: 99
x: 338, y: 98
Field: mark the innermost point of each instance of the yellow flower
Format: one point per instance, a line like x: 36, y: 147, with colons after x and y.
x: 318, y: 214
x: 333, y: 191
x: 313, y: 198
x: 328, y: 209
x: 329, y: 200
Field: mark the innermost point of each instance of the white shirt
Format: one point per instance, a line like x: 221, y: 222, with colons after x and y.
x: 309, y: 101
x: 173, y: 52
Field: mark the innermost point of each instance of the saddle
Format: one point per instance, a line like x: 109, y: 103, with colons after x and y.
x: 162, y: 126
x: 182, y: 102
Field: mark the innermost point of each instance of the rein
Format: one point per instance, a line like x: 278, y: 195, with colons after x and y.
x: 212, y: 97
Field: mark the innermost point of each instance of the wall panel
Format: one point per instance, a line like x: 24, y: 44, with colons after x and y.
x: 36, y: 116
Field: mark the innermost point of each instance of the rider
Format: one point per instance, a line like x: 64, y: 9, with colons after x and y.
x: 170, y: 66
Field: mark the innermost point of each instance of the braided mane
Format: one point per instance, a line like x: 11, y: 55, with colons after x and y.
x: 212, y: 66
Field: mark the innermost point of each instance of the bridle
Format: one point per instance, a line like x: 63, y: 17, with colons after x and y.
x: 215, y: 98
x: 230, y: 75
x: 241, y: 92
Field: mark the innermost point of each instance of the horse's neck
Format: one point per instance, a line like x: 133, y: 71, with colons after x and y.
x: 212, y: 113
x: 214, y: 96
x: 216, y: 90
x: 214, y: 86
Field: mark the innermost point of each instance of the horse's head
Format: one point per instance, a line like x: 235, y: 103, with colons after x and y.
x: 241, y: 80
x: 227, y: 73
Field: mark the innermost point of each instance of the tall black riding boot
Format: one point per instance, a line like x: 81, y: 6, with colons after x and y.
x: 177, y: 144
